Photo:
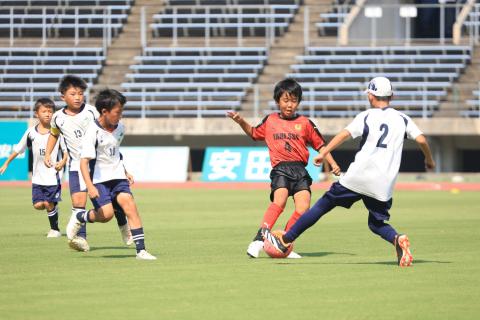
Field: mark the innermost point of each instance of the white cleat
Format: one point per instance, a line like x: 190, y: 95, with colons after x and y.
x: 144, y: 255
x: 254, y: 248
x: 73, y: 227
x: 294, y: 255
x: 79, y: 244
x: 126, y: 234
x: 54, y: 234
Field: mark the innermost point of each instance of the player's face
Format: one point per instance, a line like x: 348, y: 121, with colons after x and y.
x: 44, y: 114
x: 73, y: 97
x: 288, y: 105
x: 112, y: 117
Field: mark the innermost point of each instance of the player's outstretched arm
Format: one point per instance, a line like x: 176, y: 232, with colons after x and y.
x: 91, y: 189
x: 334, y: 143
x: 51, y: 142
x: 331, y: 161
x: 4, y: 167
x: 424, y: 146
x: 246, y: 127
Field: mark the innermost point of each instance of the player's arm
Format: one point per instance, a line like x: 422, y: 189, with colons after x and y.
x: 19, y: 148
x: 246, y: 127
x: 91, y: 189
x: 422, y: 142
x: 4, y: 167
x: 51, y: 142
x: 88, y: 153
x: 128, y: 175
x: 332, y: 145
x: 331, y: 161
x: 59, y: 166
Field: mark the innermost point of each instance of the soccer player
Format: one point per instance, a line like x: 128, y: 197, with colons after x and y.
x: 371, y: 177
x: 107, y: 180
x: 46, y: 185
x: 287, y: 136
x: 71, y: 122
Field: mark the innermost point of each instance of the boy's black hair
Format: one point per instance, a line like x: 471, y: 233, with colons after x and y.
x: 71, y: 81
x: 287, y: 85
x: 46, y: 102
x: 108, y: 98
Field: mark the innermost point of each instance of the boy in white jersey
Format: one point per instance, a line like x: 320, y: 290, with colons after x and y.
x: 105, y: 176
x: 46, y: 185
x: 71, y: 122
x: 371, y: 177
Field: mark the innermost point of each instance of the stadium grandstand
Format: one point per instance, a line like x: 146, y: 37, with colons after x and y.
x: 183, y: 64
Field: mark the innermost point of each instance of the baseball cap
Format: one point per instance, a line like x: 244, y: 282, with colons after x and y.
x: 380, y: 87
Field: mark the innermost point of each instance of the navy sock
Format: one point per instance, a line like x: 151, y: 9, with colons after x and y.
x: 84, y: 216
x: 82, y: 233
x: 381, y: 228
x: 309, y: 218
x: 138, y: 238
x: 120, y: 216
x: 53, y: 218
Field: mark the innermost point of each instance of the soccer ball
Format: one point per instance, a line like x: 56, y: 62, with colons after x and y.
x: 274, y: 252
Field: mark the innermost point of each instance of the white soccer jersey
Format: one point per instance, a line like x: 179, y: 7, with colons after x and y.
x: 37, y: 142
x: 375, y: 168
x: 103, y: 148
x: 73, y: 130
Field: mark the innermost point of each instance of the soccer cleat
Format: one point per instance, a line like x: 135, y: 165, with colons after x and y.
x: 276, y: 241
x: 54, y: 234
x: 126, y: 234
x: 402, y: 246
x: 294, y: 255
x: 254, y: 248
x: 73, y: 227
x: 144, y: 255
x: 79, y: 244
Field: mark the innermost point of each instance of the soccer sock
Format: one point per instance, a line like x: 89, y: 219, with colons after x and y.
x: 308, y: 219
x: 82, y: 233
x: 120, y: 216
x: 138, y: 238
x: 258, y: 236
x: 53, y: 218
x: 271, y: 215
x: 84, y: 216
x: 381, y: 228
x: 295, y: 216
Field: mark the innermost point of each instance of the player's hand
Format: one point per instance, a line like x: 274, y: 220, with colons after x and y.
x: 235, y: 116
x: 59, y: 166
x: 129, y: 178
x: 430, y: 164
x: 46, y: 160
x: 3, y: 168
x: 93, y: 192
x: 318, y: 159
x: 335, y: 169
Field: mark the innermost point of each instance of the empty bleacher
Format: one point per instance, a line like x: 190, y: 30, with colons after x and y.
x: 473, y: 106
x: 331, y: 21
x: 191, y: 81
x: 334, y: 78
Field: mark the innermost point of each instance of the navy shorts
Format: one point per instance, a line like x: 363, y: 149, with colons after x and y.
x: 290, y: 175
x: 343, y: 197
x: 76, y: 183
x: 108, y: 192
x: 46, y: 193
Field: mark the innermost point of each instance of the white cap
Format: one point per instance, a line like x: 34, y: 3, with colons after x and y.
x: 380, y: 87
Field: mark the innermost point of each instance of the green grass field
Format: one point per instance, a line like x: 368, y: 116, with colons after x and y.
x: 200, y: 238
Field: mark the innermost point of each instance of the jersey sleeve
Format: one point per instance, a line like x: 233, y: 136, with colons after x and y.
x: 22, y: 145
x: 54, y: 130
x: 315, y: 138
x: 357, y: 125
x: 412, y: 131
x: 88, y: 144
x: 258, y: 132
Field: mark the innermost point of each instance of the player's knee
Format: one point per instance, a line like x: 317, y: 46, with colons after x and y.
x: 374, y: 225
x: 39, y: 205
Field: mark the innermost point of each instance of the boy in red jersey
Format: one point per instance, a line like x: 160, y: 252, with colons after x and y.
x: 287, y: 136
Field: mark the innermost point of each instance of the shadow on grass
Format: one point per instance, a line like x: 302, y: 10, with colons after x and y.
x: 110, y: 248
x: 323, y: 254
x: 386, y: 263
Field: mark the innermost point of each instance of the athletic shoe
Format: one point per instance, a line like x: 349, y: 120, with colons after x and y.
x: 126, y: 234
x: 144, y: 255
x: 73, y: 227
x: 254, y: 248
x: 54, y: 234
x: 276, y: 241
x: 79, y: 244
x: 402, y: 245
x: 294, y: 255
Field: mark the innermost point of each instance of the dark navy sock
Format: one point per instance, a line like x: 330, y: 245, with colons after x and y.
x: 53, y: 218
x: 84, y: 216
x: 82, y: 233
x: 258, y: 236
x: 138, y: 238
x: 309, y: 218
x: 121, y: 217
x: 381, y: 228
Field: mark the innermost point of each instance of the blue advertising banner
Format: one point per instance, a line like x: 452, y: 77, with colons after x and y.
x: 12, y: 132
x: 237, y: 164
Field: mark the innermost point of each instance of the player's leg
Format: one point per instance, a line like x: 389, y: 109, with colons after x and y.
x: 127, y: 203
x: 122, y: 223
x: 300, y: 189
x: 302, y: 203
x: 78, y: 194
x: 53, y: 196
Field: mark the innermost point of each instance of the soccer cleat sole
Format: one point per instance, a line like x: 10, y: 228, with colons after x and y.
x: 405, y: 258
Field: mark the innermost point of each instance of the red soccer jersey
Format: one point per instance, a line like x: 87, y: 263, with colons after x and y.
x: 288, y: 139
